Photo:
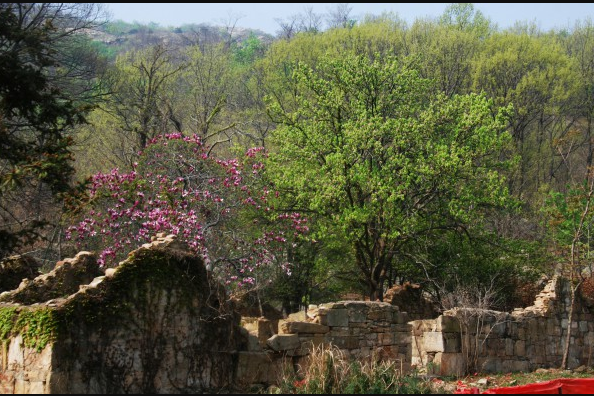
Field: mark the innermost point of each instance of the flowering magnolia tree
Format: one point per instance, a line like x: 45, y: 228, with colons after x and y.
x: 223, y: 209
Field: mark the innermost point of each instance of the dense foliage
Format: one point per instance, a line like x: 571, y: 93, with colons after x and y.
x: 439, y: 152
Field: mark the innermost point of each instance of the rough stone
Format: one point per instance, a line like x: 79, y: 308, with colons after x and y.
x: 284, y: 342
x: 303, y: 327
x: 337, y: 317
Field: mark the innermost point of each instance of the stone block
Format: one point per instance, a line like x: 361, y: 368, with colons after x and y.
x: 520, y: 365
x: 447, y: 324
x: 520, y: 348
x: 253, y: 343
x: 309, y: 343
x: 449, y: 363
x: 253, y: 368
x: 356, y: 315
x: 386, y: 339
x: 509, y: 347
x: 400, y: 318
x: 322, y: 319
x: 266, y: 328
x: 337, y: 317
x: 340, y: 331
x: 16, y: 358
x: 283, y: 342
x: 348, y: 342
x: 433, y: 341
x: 452, y: 343
x: 304, y: 327
x: 37, y: 388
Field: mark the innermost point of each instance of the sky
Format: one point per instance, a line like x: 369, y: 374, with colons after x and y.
x: 262, y: 15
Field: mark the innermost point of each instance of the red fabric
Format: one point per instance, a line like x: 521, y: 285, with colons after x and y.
x: 566, y: 386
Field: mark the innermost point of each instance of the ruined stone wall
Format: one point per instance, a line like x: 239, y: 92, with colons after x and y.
x: 155, y: 324
x: 158, y: 324
x: 490, y: 341
x: 359, y: 329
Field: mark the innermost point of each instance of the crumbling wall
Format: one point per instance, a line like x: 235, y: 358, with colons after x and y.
x: 14, y: 269
x: 158, y: 324
x: 154, y: 324
x: 360, y: 329
x: 490, y: 341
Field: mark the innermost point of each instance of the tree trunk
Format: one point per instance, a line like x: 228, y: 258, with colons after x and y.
x: 569, y: 322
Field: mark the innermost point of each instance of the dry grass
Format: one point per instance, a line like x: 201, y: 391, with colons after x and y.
x: 328, y: 370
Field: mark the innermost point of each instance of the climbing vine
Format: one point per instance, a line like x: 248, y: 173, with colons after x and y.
x: 37, y: 326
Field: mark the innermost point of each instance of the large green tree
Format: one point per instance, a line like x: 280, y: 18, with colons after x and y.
x: 41, y: 99
x: 383, y: 163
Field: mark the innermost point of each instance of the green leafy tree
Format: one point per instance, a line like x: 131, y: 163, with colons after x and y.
x: 41, y: 100
x: 369, y: 151
x: 534, y: 74
x: 570, y: 219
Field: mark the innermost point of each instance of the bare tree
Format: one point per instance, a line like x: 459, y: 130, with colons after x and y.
x: 288, y: 27
x: 340, y: 16
x: 310, y: 21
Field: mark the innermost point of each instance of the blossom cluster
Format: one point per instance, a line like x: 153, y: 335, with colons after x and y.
x: 223, y: 212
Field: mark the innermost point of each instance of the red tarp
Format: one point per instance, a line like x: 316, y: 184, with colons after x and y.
x: 567, y: 386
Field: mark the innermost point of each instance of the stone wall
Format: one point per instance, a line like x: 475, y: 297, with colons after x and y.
x: 14, y: 269
x: 154, y: 324
x: 158, y: 324
x: 490, y: 341
x: 359, y: 329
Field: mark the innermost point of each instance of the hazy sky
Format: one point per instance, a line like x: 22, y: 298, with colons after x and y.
x: 262, y: 15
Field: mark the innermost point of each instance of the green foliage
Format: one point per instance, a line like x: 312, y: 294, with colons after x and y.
x: 7, y: 319
x: 43, y: 95
x: 249, y: 50
x: 368, y: 149
x: 570, y: 220
x: 37, y: 326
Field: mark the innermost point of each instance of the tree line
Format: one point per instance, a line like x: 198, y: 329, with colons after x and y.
x: 446, y: 152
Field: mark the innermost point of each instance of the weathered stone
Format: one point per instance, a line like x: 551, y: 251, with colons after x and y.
x: 283, y: 342
x: 338, y: 317
x: 304, y: 327
x: 520, y: 348
x: 14, y: 269
x: 433, y: 341
x: 449, y: 363
x: 452, y: 343
x: 266, y: 329
x: 357, y: 316
x: 253, y: 368
x: 447, y: 324
x: 171, y: 306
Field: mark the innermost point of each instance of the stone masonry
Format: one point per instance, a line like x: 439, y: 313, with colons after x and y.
x: 154, y: 324
x: 158, y: 323
x: 491, y: 341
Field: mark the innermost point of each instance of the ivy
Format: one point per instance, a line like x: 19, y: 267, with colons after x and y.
x: 37, y: 327
x: 6, y: 322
